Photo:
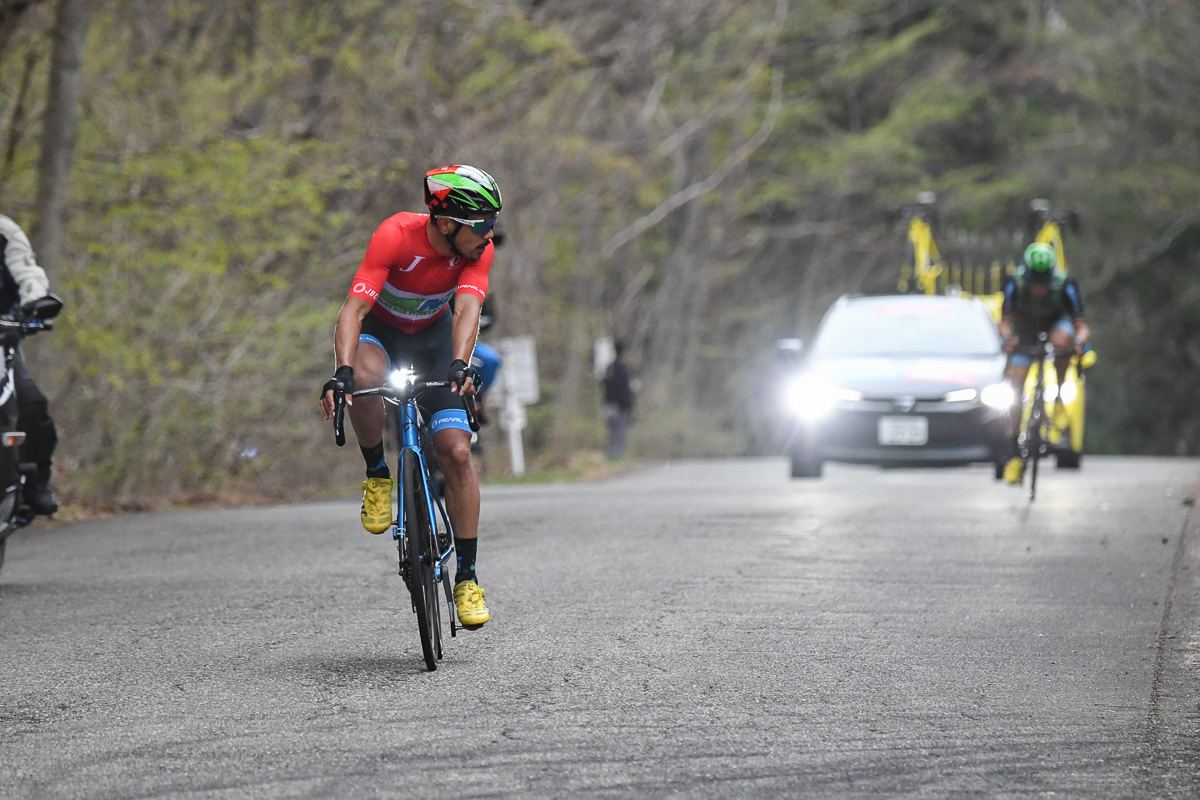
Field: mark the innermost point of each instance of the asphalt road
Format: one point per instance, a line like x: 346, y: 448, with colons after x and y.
x: 696, y: 629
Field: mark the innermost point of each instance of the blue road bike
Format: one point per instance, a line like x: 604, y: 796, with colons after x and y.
x: 420, y: 527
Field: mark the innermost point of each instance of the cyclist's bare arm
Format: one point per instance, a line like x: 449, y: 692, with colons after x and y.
x: 1082, y: 333
x: 466, y: 328
x: 345, y: 343
x: 1005, y: 330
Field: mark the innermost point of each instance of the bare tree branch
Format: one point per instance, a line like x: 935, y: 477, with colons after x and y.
x: 643, y: 224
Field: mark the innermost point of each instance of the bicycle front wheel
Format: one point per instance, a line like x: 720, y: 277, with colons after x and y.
x: 421, y: 559
x: 1034, y: 440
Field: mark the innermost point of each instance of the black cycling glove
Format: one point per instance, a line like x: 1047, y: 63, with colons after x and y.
x: 342, y: 382
x: 460, y: 371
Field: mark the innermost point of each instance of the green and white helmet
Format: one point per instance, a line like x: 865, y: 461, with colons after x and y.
x: 459, y: 190
x: 1039, y: 258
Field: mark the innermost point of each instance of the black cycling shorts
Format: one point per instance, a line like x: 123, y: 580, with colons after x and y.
x: 1027, y: 329
x: 429, y: 352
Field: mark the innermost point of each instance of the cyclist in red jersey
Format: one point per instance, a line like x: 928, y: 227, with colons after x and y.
x: 416, y: 300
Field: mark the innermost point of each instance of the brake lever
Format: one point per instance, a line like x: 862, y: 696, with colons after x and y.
x: 339, y: 424
x: 472, y: 417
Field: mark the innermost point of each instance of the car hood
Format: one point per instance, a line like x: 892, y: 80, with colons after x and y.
x: 921, y: 377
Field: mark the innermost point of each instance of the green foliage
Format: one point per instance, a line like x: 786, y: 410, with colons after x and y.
x: 233, y: 159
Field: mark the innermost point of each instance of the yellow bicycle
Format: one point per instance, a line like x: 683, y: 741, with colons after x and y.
x: 1059, y: 433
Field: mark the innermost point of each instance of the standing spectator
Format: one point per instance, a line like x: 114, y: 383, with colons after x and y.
x: 618, y: 403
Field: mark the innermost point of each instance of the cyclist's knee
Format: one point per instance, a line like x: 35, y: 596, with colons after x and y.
x: 454, y: 450
x: 370, y: 365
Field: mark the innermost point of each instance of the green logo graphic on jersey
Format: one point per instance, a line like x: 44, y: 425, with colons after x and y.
x: 413, y: 306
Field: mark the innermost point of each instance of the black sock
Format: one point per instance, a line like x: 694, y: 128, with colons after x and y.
x: 466, y: 549
x: 376, y: 463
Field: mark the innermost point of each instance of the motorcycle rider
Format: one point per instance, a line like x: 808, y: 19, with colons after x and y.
x: 23, y: 281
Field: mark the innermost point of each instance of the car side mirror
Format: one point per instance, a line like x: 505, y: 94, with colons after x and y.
x: 44, y: 307
x: 790, y: 351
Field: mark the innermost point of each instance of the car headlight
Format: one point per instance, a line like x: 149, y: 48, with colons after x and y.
x: 811, y: 397
x: 960, y: 395
x: 999, y: 396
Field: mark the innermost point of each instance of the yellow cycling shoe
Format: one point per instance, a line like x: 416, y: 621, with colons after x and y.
x: 1014, y: 469
x: 377, y: 504
x: 468, y: 600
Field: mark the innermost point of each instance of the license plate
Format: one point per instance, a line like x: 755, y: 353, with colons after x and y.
x: 903, y: 430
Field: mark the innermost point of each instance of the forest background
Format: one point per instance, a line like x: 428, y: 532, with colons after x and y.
x: 698, y: 178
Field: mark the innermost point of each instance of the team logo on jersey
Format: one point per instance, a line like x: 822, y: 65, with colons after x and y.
x: 414, y: 306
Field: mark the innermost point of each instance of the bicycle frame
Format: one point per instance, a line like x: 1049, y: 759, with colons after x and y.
x: 422, y: 563
x: 1033, y: 440
x: 1033, y: 396
x: 409, y: 420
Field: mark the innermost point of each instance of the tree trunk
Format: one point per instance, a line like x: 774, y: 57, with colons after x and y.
x: 16, y: 128
x: 10, y: 15
x: 58, y: 133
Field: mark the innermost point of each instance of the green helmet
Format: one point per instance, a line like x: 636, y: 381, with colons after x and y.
x: 1039, y: 257
x: 460, y: 190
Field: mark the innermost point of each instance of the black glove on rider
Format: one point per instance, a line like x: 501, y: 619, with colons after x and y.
x: 341, y: 383
x: 459, y: 372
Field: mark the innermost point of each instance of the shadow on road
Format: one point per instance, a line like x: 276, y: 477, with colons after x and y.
x: 373, y: 671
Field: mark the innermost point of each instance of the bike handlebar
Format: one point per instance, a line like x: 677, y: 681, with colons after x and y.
x: 26, y: 327
x: 1045, y: 349
x: 401, y: 393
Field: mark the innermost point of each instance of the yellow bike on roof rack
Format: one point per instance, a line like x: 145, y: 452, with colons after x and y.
x: 920, y: 274
x: 1049, y: 224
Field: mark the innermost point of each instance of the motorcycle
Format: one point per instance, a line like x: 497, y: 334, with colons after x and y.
x: 38, y: 315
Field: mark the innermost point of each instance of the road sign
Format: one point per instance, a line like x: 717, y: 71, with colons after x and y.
x: 518, y: 372
x: 518, y: 388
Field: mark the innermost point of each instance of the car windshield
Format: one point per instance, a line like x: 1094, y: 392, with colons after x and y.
x: 908, y: 328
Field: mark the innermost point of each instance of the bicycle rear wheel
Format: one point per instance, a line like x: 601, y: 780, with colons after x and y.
x: 421, y: 560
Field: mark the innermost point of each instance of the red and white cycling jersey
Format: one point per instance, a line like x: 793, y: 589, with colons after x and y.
x: 407, y: 282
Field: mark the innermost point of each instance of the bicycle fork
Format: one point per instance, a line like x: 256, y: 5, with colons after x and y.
x: 410, y: 427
